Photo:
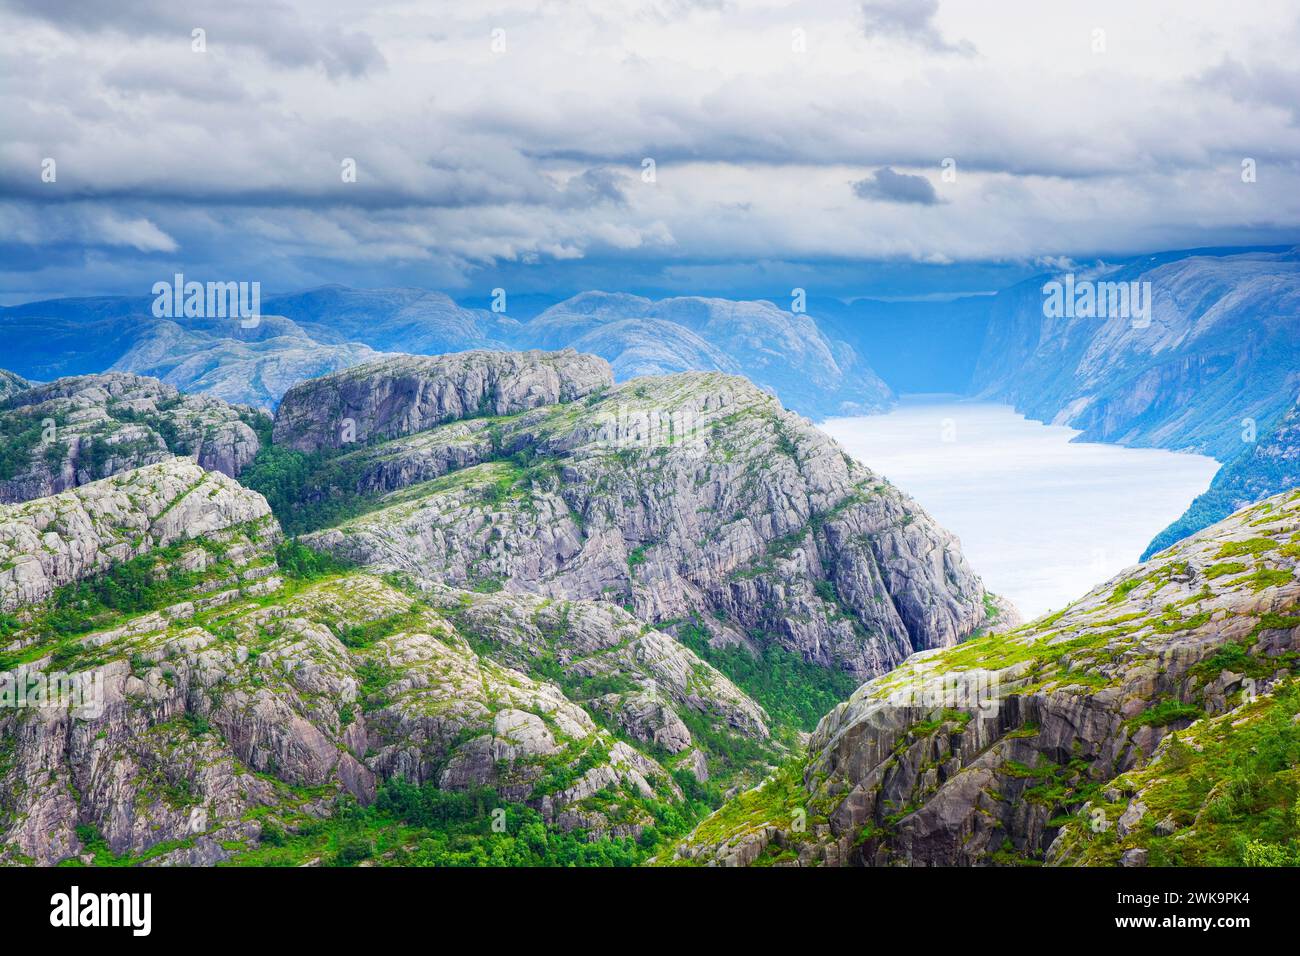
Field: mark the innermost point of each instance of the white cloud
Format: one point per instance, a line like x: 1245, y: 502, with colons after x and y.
x: 137, y: 233
x: 467, y: 157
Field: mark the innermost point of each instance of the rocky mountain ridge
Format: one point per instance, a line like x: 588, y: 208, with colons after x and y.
x: 692, y: 499
x: 71, y: 431
x: 240, y: 698
x: 1053, y: 742
x: 1221, y: 345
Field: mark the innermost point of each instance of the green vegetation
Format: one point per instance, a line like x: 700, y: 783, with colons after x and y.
x: 305, y: 491
x: 137, y: 586
x: 780, y: 800
x: 301, y: 563
x: 411, y: 825
x: 1228, y: 789
x: 21, y: 434
x: 795, y: 693
x: 1165, y: 713
x: 1251, y: 546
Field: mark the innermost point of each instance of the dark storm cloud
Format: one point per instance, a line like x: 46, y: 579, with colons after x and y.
x: 885, y: 185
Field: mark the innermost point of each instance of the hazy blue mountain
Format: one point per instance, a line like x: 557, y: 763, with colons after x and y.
x: 915, y: 346
x: 520, y: 306
x: 11, y: 384
x: 243, y: 366
x: 397, y: 320
x: 785, y: 352
x: 47, y: 340
x: 1223, y: 346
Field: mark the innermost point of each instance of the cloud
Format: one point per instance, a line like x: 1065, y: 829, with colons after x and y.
x: 138, y: 233
x: 885, y: 185
x: 478, y: 168
x: 911, y: 21
x: 274, y: 29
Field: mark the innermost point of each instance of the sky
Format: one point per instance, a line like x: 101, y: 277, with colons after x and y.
x: 889, y: 148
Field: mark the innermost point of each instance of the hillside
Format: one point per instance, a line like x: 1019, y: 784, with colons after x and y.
x: 1149, y: 723
x: 256, y: 703
x: 75, y: 430
x: 788, y: 353
x: 1222, y: 345
x: 1268, y: 465
x: 693, y: 500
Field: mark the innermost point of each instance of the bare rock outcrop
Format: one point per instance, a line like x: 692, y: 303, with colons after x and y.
x: 56, y: 540
x: 409, y: 393
x: 75, y: 430
x: 685, y: 497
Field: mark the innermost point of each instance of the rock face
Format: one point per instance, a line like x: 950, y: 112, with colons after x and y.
x: 1269, y: 465
x: 75, y: 430
x: 410, y: 393
x: 689, y: 497
x: 245, y: 701
x: 783, y: 351
x: 642, y: 679
x: 1052, y: 742
x: 1222, y: 345
x: 11, y: 384
x: 54, y: 541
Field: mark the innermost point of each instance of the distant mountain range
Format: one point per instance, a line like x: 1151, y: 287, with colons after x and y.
x: 1219, y: 359
x: 311, y: 333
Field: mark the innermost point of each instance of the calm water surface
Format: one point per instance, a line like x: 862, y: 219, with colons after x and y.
x: 1041, y: 519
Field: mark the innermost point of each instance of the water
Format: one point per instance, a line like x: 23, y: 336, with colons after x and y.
x: 1041, y: 519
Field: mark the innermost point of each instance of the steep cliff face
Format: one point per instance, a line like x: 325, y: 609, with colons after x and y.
x: 1054, y: 742
x: 50, y: 542
x: 1222, y: 345
x: 227, y: 699
x: 75, y: 430
x: 691, y: 498
x: 1269, y: 465
x: 411, y: 393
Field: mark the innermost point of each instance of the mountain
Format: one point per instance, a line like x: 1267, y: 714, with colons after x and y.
x: 11, y: 384
x: 253, y: 366
x: 243, y: 699
x: 584, y: 608
x: 1269, y: 465
x: 915, y: 346
x: 785, y: 352
x: 1152, y: 722
x: 396, y: 320
x: 65, y: 337
x: 75, y: 430
x: 245, y: 366
x: 409, y: 394
x: 307, y: 334
x: 693, y: 500
x: 1222, y: 346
